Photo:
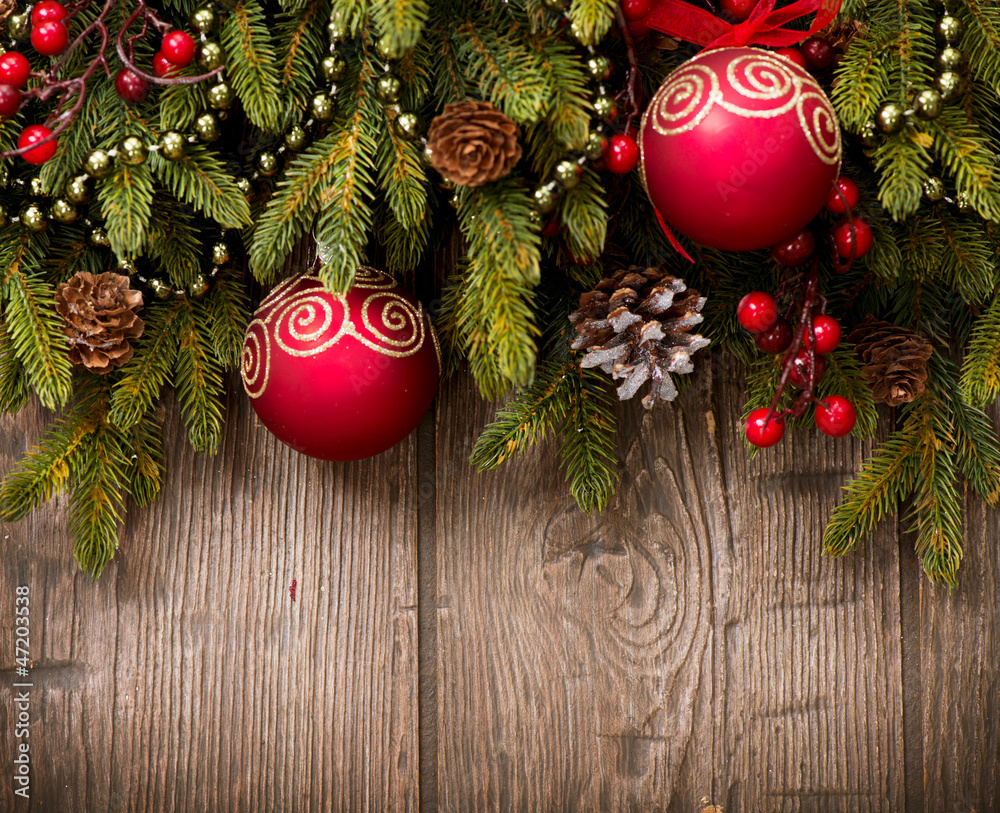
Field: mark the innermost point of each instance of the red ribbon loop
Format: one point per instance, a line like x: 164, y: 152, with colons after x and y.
x: 763, y: 27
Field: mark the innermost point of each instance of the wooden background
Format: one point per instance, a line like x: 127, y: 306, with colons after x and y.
x: 473, y: 642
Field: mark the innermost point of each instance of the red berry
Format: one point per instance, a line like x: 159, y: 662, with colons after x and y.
x: 162, y: 66
x: 844, y: 239
x: 10, y: 101
x: 795, y: 250
x: 799, y: 374
x: 762, y: 432
x: 793, y: 54
x: 131, y: 87
x: 14, y: 69
x: 827, y: 330
x: 48, y: 11
x: 775, y: 340
x: 757, y: 311
x: 178, y: 48
x: 849, y: 190
x: 737, y: 10
x: 50, y: 38
x: 622, y: 155
x: 638, y: 29
x: 636, y: 9
x: 836, y: 416
x: 32, y: 135
x: 552, y: 229
x: 819, y: 54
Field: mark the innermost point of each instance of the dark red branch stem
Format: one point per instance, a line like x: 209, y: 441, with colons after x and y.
x: 810, y: 297
x: 632, y: 76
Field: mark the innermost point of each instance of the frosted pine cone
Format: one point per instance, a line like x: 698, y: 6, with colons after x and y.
x: 636, y: 327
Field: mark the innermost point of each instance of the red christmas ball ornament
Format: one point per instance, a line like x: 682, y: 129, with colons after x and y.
x: 131, y: 87
x: 340, y: 377
x: 798, y: 376
x: 739, y: 148
x: 757, y: 311
x: 862, y: 238
x: 827, y: 331
x: 10, y: 101
x: 844, y: 191
x: 794, y: 54
x: 33, y: 134
x: 634, y: 10
x: 178, y: 47
x: 776, y: 340
x: 762, y: 432
x: 796, y: 250
x: 14, y: 69
x: 48, y: 11
x: 836, y: 416
x: 737, y: 10
x: 50, y: 38
x: 622, y: 154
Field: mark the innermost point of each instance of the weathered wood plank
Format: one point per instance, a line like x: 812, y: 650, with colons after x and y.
x: 187, y: 679
x: 808, y: 656
x: 575, y: 652
x: 960, y: 687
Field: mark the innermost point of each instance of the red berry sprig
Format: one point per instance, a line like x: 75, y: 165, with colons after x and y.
x: 34, y: 134
x: 49, y: 35
x: 835, y: 416
x: 622, y: 154
x: 178, y: 48
x: 763, y: 428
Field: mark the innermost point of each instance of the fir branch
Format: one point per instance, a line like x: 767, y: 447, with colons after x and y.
x: 35, y: 330
x: 587, y: 448
x: 399, y: 22
x: 198, y: 377
x: 592, y: 19
x: 302, y: 37
x: 13, y: 378
x: 862, y: 80
x: 404, y: 248
x: 977, y: 450
x: 402, y: 176
x: 127, y: 204
x: 353, y: 13
x: 143, y: 377
x: 173, y: 241
x: 228, y: 307
x: 180, y: 105
x: 199, y: 179
x: 252, y: 65
x: 980, y: 381
x: 584, y: 216
x: 144, y: 476
x: 901, y: 162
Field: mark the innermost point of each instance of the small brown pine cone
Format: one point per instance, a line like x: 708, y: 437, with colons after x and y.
x: 100, y: 319
x: 473, y: 143
x: 636, y: 326
x: 894, y: 360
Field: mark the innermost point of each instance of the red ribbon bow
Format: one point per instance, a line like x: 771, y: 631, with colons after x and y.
x: 762, y: 27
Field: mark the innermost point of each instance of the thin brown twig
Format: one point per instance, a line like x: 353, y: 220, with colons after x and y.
x: 632, y: 76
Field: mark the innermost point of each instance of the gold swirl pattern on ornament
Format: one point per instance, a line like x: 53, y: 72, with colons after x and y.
x: 368, y: 278
x: 308, y: 317
x: 690, y: 93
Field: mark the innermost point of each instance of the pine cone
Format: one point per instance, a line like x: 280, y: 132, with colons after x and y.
x: 636, y: 326
x: 473, y: 143
x: 99, y: 312
x: 894, y: 359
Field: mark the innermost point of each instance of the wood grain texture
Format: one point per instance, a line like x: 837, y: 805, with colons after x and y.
x: 185, y: 679
x: 960, y: 670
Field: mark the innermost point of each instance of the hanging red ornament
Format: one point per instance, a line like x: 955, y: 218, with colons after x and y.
x: 739, y: 148
x: 340, y: 377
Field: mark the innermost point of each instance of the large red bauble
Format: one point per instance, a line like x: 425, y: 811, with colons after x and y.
x: 340, y: 377
x: 740, y: 149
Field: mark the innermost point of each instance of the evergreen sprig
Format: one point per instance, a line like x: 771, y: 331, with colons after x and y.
x: 253, y: 64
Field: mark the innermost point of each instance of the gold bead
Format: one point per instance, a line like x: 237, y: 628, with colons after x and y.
x: 172, y: 145
x: 33, y: 217
x: 211, y: 56
x: 385, y: 51
x: 950, y: 59
x: 160, y: 289
x: 928, y: 104
x: 950, y: 85
x: 595, y: 146
x: 17, y: 26
x: 268, y: 164
x: 244, y: 185
x: 63, y: 211
x: 132, y: 151
x: 891, y: 119
x: 99, y: 165
x: 296, y: 138
x: 220, y: 96
x: 869, y: 136
x: 203, y: 20
x: 78, y: 190
x: 322, y: 107
x: 545, y: 198
x: 36, y: 187
x: 388, y: 89
x: 127, y: 266
x: 933, y: 189
x: 605, y: 108
x: 567, y: 174
x: 220, y: 253
x: 334, y: 66
x: 198, y: 287
x: 98, y: 238
x: 599, y: 67
x: 406, y: 126
x: 950, y: 29
x: 206, y: 127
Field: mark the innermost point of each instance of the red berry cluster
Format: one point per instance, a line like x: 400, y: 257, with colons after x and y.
x: 176, y: 52
x: 835, y: 416
x: 815, y: 54
x: 49, y: 35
